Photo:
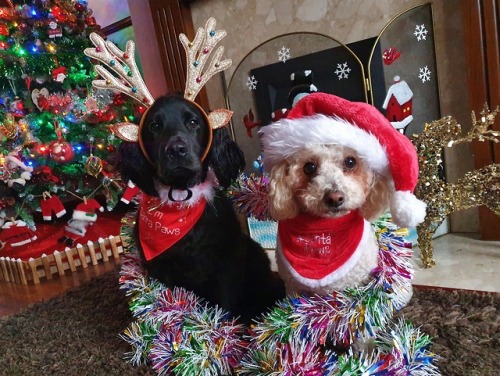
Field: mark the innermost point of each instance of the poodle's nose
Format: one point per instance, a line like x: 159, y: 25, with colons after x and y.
x: 335, y: 199
x: 176, y: 149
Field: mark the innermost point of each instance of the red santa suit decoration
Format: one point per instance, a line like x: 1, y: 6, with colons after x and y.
x: 83, y: 216
x: 16, y: 233
x: 86, y: 211
x: 51, y: 204
x: 130, y: 192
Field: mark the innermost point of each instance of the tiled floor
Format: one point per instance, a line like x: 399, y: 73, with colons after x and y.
x: 462, y: 261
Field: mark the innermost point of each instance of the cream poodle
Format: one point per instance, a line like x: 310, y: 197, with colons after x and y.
x: 321, y: 195
x: 334, y: 166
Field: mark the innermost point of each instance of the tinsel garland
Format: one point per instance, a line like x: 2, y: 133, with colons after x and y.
x: 178, y: 333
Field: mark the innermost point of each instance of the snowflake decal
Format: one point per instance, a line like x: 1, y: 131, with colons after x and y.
x: 425, y: 74
x: 420, y: 32
x: 284, y: 54
x: 342, y: 71
x: 251, y: 83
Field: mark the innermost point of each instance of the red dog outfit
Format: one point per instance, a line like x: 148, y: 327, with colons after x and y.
x: 163, y: 227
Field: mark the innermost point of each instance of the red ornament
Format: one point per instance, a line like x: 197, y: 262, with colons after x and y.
x: 4, y: 30
x: 90, y: 21
x: 79, y: 7
x: 118, y: 100
x: 61, y: 151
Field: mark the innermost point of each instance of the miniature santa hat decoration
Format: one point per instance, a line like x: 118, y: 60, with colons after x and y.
x: 321, y: 118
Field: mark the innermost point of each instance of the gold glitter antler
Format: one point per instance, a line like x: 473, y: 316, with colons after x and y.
x: 197, y: 53
x: 475, y: 188
x: 128, y: 79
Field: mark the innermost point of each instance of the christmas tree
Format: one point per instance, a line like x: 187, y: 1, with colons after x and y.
x: 55, y: 137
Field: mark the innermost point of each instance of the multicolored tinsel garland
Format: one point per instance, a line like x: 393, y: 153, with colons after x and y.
x: 178, y: 333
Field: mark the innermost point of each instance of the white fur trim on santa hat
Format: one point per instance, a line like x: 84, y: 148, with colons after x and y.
x: 84, y: 216
x: 406, y: 209
x: 284, y: 138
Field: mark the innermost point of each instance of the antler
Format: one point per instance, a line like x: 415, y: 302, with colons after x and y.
x: 123, y: 64
x: 198, y: 52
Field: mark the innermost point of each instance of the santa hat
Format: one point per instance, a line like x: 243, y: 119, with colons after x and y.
x: 321, y: 118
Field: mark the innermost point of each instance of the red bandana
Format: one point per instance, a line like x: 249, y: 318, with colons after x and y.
x: 161, y: 228
x: 315, y: 247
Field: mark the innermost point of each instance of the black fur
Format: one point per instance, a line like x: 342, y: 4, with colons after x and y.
x: 216, y: 260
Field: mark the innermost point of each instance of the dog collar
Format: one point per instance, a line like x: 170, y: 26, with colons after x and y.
x: 315, y: 247
x: 204, y: 114
x: 163, y: 227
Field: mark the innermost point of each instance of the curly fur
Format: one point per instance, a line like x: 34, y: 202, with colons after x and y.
x: 216, y: 260
x: 295, y: 189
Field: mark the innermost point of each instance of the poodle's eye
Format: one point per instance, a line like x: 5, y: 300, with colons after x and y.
x: 154, y: 126
x: 350, y: 163
x: 310, y: 168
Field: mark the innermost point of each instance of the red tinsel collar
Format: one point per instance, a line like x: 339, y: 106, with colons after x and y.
x: 315, y: 247
x: 164, y: 226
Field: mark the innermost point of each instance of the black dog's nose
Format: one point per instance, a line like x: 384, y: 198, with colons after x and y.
x: 335, y: 199
x: 176, y: 149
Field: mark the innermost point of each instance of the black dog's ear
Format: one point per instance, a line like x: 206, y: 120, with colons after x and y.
x: 226, y: 157
x: 134, y: 166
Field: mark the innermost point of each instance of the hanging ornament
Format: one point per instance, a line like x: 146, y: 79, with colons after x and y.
x: 54, y: 30
x: 9, y: 128
x: 40, y: 98
x: 94, y: 165
x: 4, y: 30
x: 60, y: 150
x: 90, y: 21
x: 59, y: 74
x: 28, y: 139
x: 79, y: 7
x: 16, y: 107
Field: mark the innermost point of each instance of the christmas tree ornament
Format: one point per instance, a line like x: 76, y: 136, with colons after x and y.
x: 9, y: 128
x: 93, y: 165
x: 60, y: 150
x: 54, y: 30
x: 40, y: 98
x: 59, y: 74
x: 478, y: 187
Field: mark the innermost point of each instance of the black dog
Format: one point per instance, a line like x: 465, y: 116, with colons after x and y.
x: 177, y: 163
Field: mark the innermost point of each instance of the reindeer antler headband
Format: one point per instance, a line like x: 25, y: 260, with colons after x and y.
x: 127, y: 78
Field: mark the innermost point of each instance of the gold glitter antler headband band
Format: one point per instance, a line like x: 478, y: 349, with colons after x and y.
x: 127, y: 78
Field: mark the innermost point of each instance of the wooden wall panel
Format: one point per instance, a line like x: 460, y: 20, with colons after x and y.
x: 171, y: 18
x: 481, y: 32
